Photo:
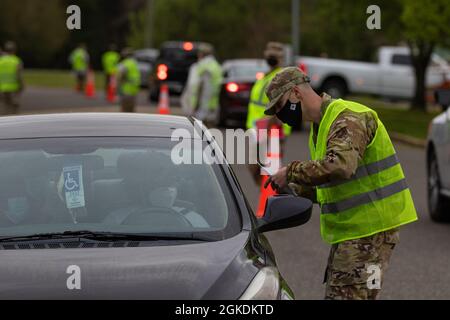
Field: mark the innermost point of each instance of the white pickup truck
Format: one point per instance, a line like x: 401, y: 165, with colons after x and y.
x: 393, y: 75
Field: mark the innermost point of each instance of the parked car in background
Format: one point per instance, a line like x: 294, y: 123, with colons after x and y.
x: 438, y: 161
x: 172, y: 66
x: 103, y: 192
x: 239, y: 77
x: 392, y: 75
x: 146, y: 59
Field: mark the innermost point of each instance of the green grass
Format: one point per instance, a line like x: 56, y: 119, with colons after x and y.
x: 55, y: 78
x: 398, y: 118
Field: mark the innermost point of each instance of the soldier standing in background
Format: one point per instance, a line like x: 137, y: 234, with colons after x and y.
x: 129, y: 80
x: 11, y: 79
x: 274, y: 56
x: 209, y: 74
x: 354, y: 175
x: 110, y: 61
x: 79, y: 59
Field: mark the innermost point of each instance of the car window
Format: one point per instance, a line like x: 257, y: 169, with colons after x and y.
x: 401, y: 59
x: 180, y: 55
x: 109, y: 184
x: 247, y: 71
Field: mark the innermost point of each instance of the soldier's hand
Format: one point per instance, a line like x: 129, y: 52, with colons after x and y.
x: 278, y: 180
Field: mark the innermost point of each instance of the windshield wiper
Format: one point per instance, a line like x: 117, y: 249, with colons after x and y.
x: 106, y: 235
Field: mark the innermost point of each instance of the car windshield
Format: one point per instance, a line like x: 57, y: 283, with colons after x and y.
x: 123, y: 185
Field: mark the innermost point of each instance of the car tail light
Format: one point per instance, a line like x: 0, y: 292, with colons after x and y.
x: 161, y: 72
x: 188, y: 46
x: 232, y: 87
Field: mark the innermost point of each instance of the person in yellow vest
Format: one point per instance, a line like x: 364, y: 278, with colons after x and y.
x: 207, y: 90
x: 274, y: 55
x: 79, y: 59
x: 11, y: 80
x: 110, y: 61
x: 129, y: 80
x: 354, y: 175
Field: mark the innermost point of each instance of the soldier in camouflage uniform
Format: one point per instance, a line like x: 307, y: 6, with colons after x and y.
x: 347, y: 273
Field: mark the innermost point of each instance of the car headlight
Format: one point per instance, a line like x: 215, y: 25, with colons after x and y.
x: 264, y: 286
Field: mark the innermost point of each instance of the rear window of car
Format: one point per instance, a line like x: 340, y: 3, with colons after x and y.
x: 126, y: 185
x: 401, y: 59
x: 179, y: 55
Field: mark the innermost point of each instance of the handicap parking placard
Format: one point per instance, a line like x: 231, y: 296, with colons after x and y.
x: 73, y: 186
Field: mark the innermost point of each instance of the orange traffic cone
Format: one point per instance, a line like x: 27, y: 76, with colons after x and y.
x: 273, y: 156
x: 90, y: 85
x: 163, y: 104
x: 112, y: 89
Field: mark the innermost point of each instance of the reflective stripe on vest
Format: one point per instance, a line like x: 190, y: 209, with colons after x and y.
x: 364, y: 198
x: 366, y: 170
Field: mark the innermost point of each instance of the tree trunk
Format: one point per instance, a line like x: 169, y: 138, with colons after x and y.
x: 420, y: 56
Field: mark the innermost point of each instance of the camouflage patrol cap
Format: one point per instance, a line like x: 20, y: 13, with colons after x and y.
x: 284, y: 81
x: 126, y: 52
x: 274, y: 49
x: 10, y: 46
x: 205, y: 48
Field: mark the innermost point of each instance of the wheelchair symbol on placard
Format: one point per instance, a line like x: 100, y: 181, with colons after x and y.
x: 70, y: 184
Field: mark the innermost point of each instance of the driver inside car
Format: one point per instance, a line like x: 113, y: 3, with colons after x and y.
x: 150, y: 179
x: 162, y: 198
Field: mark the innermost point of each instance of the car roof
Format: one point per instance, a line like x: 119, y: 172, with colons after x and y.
x: 239, y: 62
x: 179, y: 44
x: 93, y: 124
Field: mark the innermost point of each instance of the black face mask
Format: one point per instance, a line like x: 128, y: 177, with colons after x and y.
x: 272, y: 61
x: 291, y: 114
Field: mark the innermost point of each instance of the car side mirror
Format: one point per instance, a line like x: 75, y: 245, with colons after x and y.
x: 284, y: 211
x: 442, y: 97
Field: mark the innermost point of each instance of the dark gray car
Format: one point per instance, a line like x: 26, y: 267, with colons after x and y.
x: 93, y: 206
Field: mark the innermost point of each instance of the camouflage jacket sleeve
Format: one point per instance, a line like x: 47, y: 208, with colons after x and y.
x: 346, y: 143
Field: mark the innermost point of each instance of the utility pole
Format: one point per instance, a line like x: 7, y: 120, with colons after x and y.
x: 149, y: 24
x: 295, y: 10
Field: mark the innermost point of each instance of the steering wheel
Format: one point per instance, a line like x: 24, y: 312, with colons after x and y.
x: 161, y: 211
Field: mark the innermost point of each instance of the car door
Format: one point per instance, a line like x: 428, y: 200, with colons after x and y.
x: 443, y: 153
x: 397, y: 76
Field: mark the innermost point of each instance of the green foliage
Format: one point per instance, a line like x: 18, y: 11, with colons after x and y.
x: 136, y: 35
x: 338, y: 28
x: 236, y: 28
x: 427, y: 21
x: 38, y: 27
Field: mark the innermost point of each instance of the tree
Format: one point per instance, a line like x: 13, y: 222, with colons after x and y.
x: 338, y: 28
x: 426, y: 25
x: 236, y: 28
x: 38, y: 28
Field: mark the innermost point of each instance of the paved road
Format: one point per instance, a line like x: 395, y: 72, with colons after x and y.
x: 419, y: 266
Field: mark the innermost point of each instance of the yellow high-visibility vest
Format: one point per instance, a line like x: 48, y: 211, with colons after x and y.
x: 9, y: 73
x: 375, y: 199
